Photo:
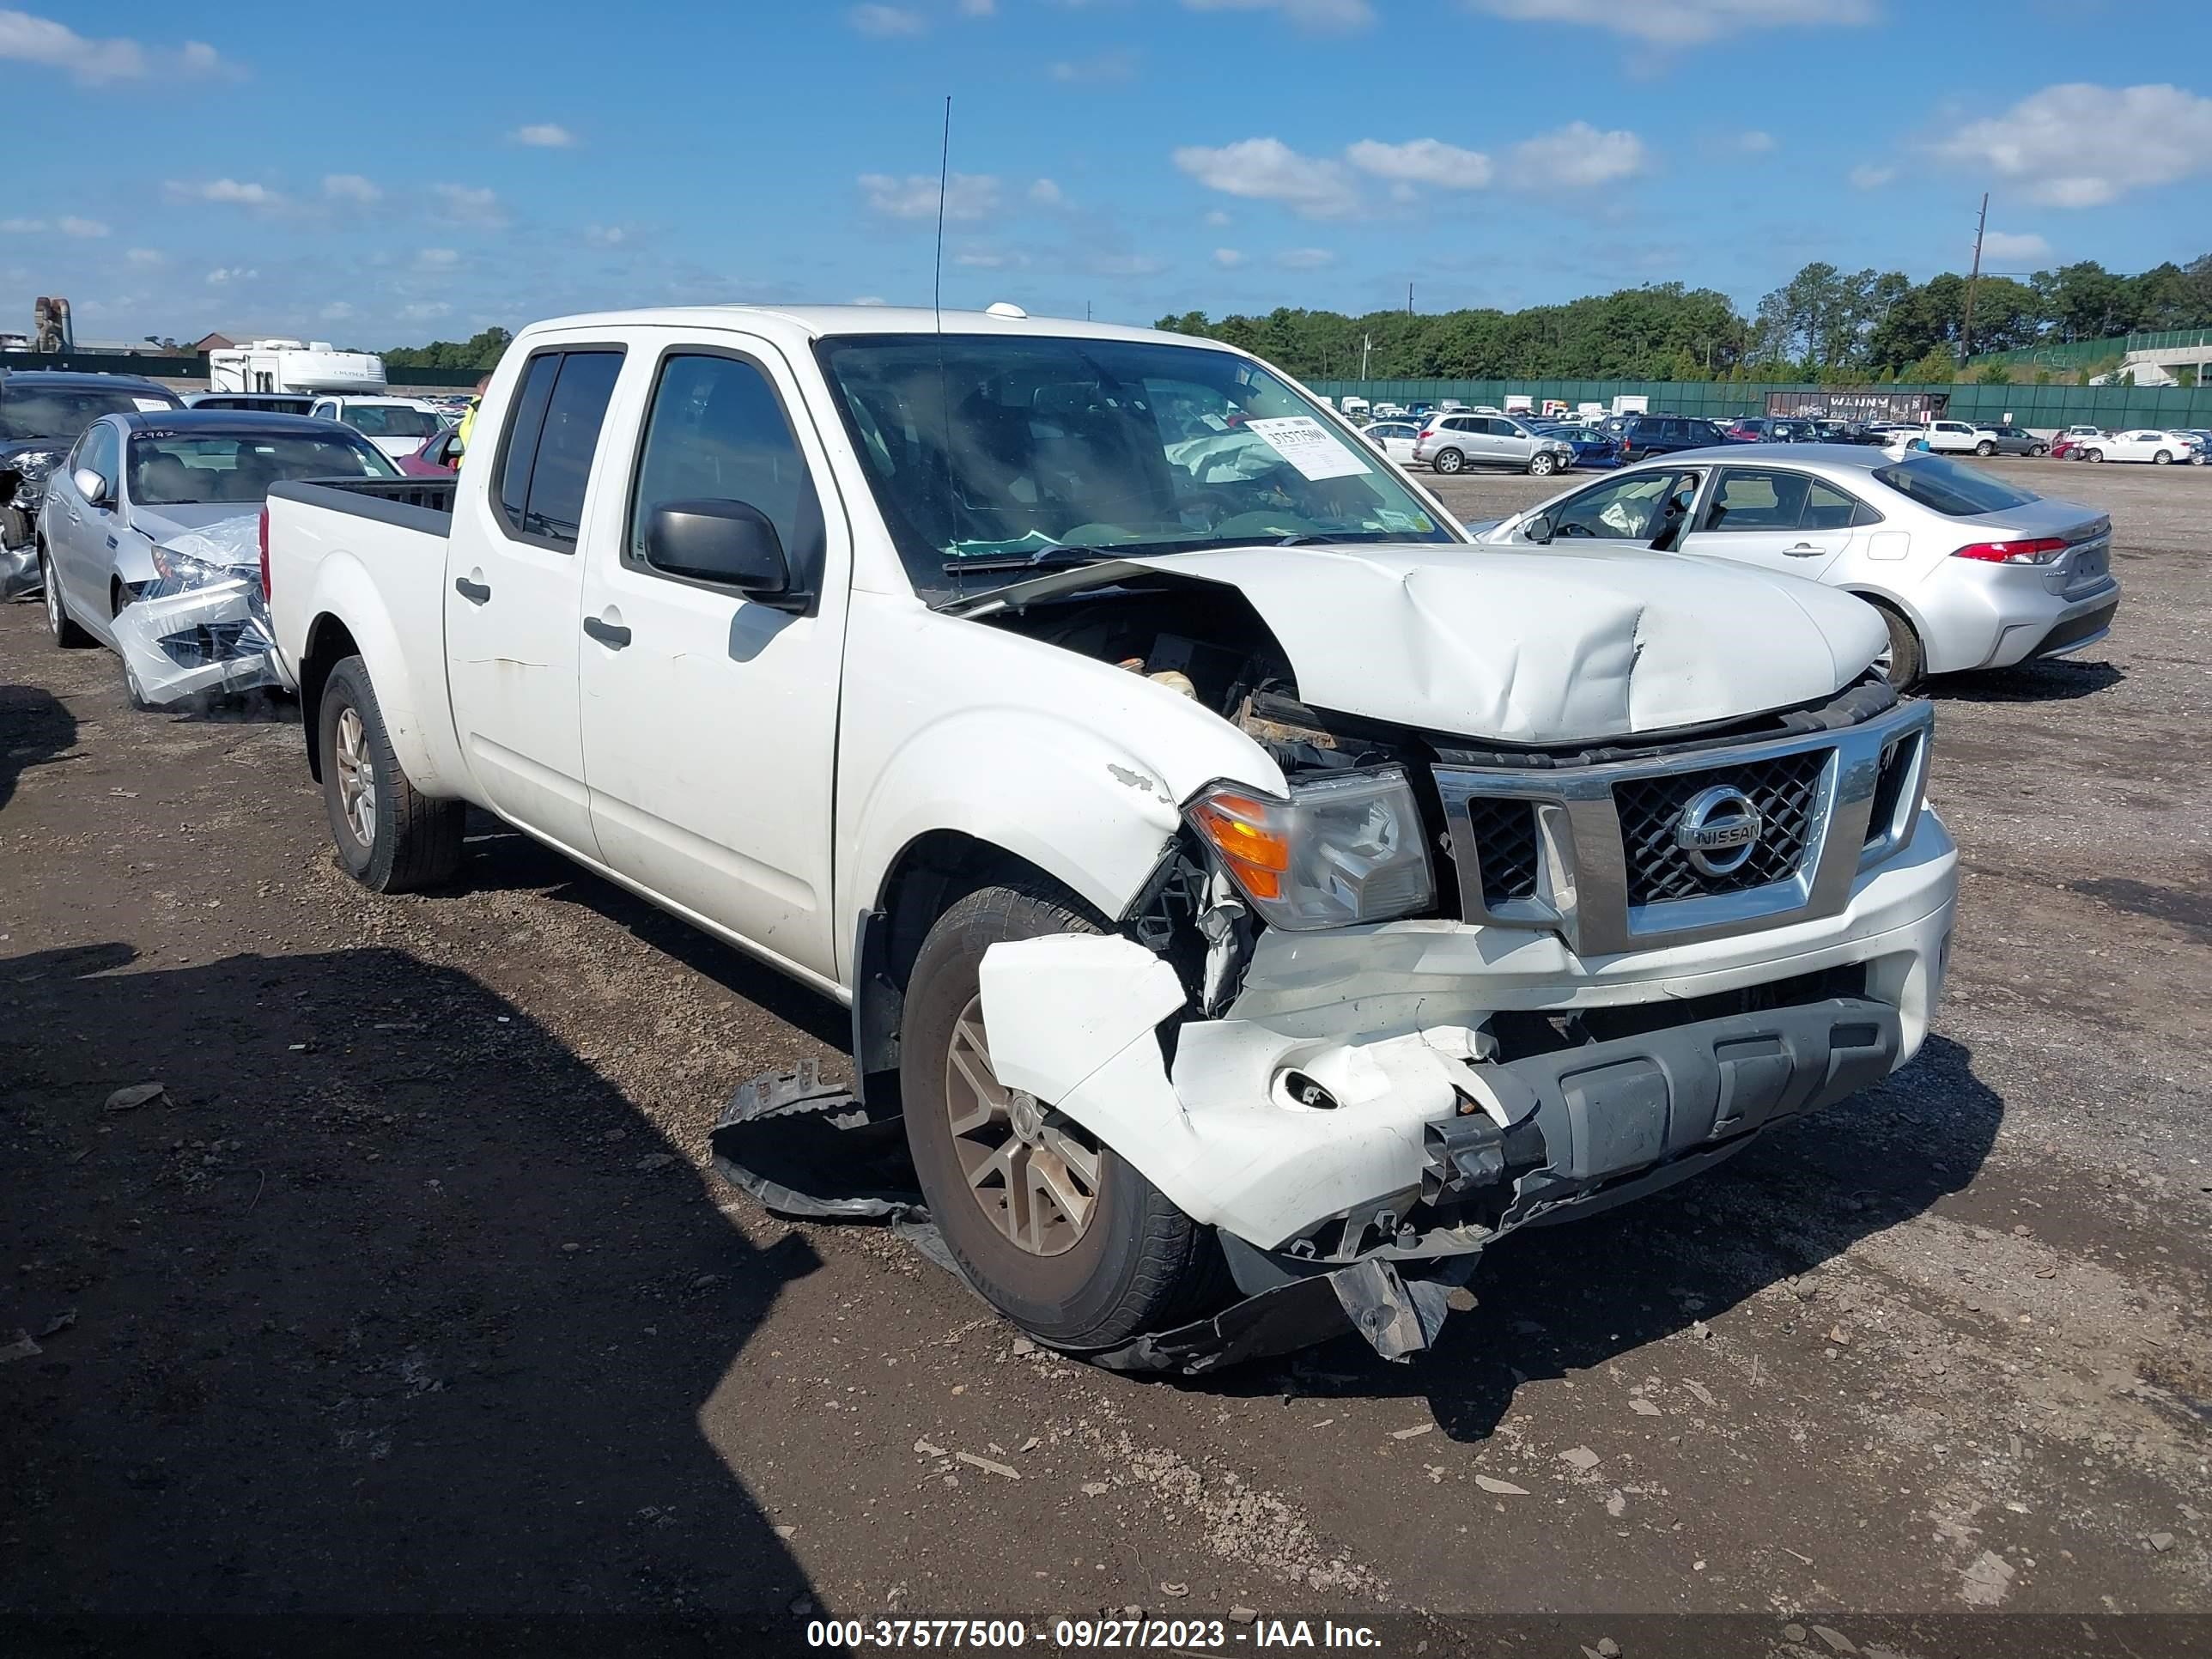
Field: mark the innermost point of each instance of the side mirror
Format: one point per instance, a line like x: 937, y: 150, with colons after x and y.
x: 1538, y: 530
x: 90, y: 485
x: 731, y: 543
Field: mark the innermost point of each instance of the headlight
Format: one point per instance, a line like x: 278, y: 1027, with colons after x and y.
x: 1340, y: 850
x: 179, y: 571
x: 36, y: 465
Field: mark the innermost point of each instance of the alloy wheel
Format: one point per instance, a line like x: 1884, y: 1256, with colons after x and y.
x: 356, y: 777
x: 1032, y: 1172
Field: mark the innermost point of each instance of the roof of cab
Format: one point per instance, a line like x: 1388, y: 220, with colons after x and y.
x: 816, y: 322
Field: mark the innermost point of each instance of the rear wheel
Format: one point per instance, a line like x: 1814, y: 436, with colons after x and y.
x: 1058, y: 1232
x: 1449, y: 461
x: 67, y: 635
x: 390, y: 837
x: 1903, y: 663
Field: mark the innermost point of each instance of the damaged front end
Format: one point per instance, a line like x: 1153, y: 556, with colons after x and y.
x: 201, y: 629
x: 24, y: 470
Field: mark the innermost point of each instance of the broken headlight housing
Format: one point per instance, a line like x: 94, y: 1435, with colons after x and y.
x: 35, y: 465
x: 1342, y: 850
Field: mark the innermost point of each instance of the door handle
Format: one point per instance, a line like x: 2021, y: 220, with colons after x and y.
x: 474, y: 592
x: 613, y: 636
x: 1803, y: 550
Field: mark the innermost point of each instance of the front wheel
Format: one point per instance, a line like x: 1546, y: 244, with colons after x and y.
x: 67, y: 635
x: 2094, y: 455
x: 390, y: 837
x: 2039, y: 451
x: 1449, y: 461
x: 1055, y: 1228
x: 1985, y: 450
x: 2164, y: 457
x: 1542, y: 466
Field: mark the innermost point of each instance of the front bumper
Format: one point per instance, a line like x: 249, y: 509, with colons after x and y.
x: 1391, y: 1026
x: 210, y: 640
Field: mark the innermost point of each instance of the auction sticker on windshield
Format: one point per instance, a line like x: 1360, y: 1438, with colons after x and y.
x: 1308, y: 446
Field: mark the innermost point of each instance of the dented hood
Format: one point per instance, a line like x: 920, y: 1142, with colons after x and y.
x: 1556, y: 645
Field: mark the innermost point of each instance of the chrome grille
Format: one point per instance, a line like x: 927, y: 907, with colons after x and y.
x: 1784, y: 789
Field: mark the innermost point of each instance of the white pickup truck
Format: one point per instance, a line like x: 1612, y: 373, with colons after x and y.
x: 1240, y: 883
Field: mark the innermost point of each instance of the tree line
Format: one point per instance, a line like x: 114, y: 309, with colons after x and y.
x: 1824, y: 324
x: 480, y: 351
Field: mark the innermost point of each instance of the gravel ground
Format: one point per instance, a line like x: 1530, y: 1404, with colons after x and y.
x: 411, y: 1294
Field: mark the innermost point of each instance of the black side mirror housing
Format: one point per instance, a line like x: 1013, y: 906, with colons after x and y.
x: 730, y: 543
x: 1539, y: 530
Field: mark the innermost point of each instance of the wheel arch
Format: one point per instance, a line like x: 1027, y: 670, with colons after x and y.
x: 330, y: 642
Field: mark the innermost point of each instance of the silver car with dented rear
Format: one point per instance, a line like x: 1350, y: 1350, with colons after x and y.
x: 1968, y: 569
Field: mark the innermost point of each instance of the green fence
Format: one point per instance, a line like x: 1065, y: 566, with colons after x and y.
x: 2079, y: 354
x: 2042, y: 406
x: 195, y: 368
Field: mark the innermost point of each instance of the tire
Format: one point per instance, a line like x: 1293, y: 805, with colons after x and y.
x: 2092, y: 455
x: 1542, y: 466
x: 67, y: 635
x: 2039, y: 451
x: 1904, y: 663
x: 1449, y: 461
x: 411, y: 841
x: 1985, y: 450
x: 1135, y: 1262
x: 2164, y: 457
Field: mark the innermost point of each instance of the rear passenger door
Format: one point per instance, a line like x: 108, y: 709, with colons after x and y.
x: 514, y: 594
x: 1778, y: 517
x: 710, y: 718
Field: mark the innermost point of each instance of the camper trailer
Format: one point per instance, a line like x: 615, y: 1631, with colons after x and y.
x: 294, y: 366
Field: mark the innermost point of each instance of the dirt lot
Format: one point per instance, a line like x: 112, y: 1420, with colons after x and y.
x: 412, y: 1295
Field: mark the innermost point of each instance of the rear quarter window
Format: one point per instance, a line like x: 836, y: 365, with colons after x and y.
x: 1947, y: 487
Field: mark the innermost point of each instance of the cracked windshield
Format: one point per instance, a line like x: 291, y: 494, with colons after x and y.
x: 993, y: 457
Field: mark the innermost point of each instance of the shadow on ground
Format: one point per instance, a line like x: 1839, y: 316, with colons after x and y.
x: 2059, y: 679
x: 35, y: 728
x: 390, y: 1306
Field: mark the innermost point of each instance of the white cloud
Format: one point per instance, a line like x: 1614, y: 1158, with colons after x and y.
x: 350, y: 187
x: 1755, y: 142
x: 871, y: 300
x: 605, y: 235
x: 465, y: 205
x: 336, y: 312
x: 968, y: 196
x: 1682, y: 22
x: 1422, y: 161
x: 1304, y: 258
x: 223, y: 275
x: 1269, y: 170
x: 1315, y: 15
x: 87, y: 228
x: 1217, y: 218
x: 984, y: 259
x: 1866, y: 176
x: 147, y: 255
x: 2079, y: 145
x: 2002, y: 245
x: 231, y: 192
x: 22, y: 227
x: 437, y: 258
x: 1117, y: 65
x: 1576, y: 157
x: 886, y: 22
x: 425, y: 311
x: 979, y: 7
x: 1045, y: 193
x: 544, y: 135
x: 44, y: 43
x: 1228, y: 257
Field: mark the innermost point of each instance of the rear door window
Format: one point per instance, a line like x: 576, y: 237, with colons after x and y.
x: 1760, y: 499
x: 551, y: 442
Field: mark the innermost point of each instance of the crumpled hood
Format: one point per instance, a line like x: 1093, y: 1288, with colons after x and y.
x: 1556, y: 645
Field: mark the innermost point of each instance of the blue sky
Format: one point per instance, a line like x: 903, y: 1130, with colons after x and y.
x: 363, y: 175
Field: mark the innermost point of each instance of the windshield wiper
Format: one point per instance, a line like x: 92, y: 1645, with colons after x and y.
x: 1049, y: 558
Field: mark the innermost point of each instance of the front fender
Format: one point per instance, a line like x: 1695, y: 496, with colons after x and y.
x: 1086, y: 810
x: 417, y: 717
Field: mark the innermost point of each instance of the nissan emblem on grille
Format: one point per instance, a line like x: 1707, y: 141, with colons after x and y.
x: 1717, y: 831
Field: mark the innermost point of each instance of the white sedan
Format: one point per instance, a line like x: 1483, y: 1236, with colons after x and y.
x: 1967, y: 569
x: 2159, y: 447
x: 1393, y: 438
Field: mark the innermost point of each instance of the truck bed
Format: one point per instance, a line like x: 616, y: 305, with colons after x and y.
x: 421, y: 503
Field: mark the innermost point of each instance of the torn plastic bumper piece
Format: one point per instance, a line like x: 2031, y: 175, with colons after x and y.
x: 19, y: 572
x: 807, y: 1149
x: 200, y: 641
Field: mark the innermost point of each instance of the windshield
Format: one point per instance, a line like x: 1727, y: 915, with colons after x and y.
x: 168, y: 470
x: 1955, y: 491
x: 30, y: 412
x: 986, y: 453
x: 390, y: 420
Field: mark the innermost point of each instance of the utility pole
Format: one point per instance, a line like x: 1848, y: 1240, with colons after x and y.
x: 1409, y: 298
x: 1966, y: 333
x: 1366, y: 345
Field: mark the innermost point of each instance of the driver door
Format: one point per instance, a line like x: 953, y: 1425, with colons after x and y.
x: 1630, y: 507
x: 80, y: 534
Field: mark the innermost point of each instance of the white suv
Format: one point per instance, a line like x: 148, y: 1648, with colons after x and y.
x: 1454, y: 442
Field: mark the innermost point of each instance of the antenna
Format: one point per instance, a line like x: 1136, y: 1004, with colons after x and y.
x: 943, y: 177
